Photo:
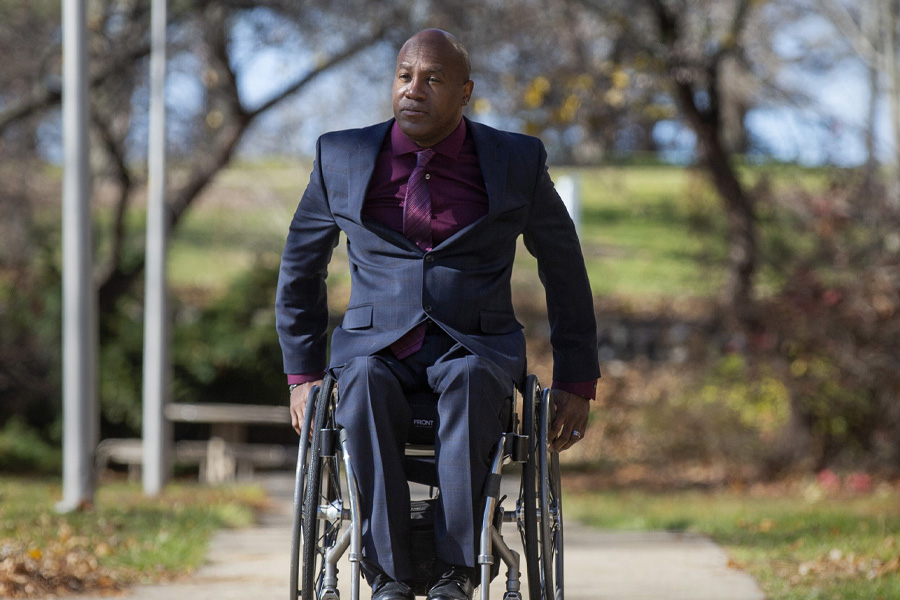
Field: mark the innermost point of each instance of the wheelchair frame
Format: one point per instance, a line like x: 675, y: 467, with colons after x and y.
x: 326, y: 522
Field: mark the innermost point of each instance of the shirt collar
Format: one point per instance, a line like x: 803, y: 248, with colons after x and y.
x: 449, y: 146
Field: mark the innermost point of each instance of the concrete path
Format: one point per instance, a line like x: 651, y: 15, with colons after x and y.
x: 251, y: 564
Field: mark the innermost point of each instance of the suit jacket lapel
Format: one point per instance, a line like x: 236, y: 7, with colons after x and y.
x: 493, y: 156
x: 362, y: 165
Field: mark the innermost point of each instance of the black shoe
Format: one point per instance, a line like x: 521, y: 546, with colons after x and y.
x: 454, y: 584
x: 385, y: 588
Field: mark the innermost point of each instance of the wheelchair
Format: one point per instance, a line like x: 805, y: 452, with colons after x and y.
x: 327, y: 523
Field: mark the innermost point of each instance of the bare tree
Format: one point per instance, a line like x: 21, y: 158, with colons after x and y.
x: 870, y: 28
x: 696, y: 79
x: 695, y: 46
x: 120, y: 45
x: 226, y: 120
x: 202, y: 47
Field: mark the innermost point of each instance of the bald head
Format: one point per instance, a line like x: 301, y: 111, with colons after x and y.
x: 438, y: 38
x: 431, y: 86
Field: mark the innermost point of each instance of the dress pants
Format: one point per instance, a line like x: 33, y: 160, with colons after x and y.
x: 373, y: 410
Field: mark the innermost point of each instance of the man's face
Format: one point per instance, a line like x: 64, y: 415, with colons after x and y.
x: 430, y: 89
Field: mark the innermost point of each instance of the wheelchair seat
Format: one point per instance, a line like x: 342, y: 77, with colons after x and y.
x: 419, y: 451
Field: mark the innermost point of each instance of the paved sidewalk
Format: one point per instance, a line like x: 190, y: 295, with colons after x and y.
x: 251, y: 564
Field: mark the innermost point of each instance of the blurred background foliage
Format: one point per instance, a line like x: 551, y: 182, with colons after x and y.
x: 747, y: 282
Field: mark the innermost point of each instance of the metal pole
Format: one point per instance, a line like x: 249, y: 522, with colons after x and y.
x: 156, y: 322
x: 80, y: 416
x: 568, y: 189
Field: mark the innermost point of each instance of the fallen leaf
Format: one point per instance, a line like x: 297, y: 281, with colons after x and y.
x: 891, y: 566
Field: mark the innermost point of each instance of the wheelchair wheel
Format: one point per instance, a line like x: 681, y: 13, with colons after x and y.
x: 543, y: 525
x: 551, y: 508
x: 300, y: 492
x: 322, y: 502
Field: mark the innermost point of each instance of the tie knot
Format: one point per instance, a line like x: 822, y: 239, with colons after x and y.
x: 423, y: 156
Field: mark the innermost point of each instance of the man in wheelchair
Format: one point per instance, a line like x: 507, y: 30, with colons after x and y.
x: 431, y: 205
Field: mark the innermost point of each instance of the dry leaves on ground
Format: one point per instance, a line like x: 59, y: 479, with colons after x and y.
x: 66, y: 567
x: 837, y: 565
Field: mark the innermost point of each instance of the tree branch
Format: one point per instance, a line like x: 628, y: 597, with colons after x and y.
x: 843, y: 20
x: 328, y: 63
x: 179, y: 201
x: 123, y: 177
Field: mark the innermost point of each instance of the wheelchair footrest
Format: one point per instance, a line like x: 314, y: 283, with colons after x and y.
x: 422, y: 548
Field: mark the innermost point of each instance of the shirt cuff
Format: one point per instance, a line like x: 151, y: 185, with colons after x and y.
x: 585, y: 389
x: 305, y: 377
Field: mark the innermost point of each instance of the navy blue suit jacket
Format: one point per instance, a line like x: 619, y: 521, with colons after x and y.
x: 463, y: 284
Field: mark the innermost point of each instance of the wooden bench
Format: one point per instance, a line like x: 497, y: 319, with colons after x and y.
x: 228, y: 455
x: 225, y: 457
x: 229, y: 421
x: 218, y: 461
x: 130, y: 452
x: 227, y: 461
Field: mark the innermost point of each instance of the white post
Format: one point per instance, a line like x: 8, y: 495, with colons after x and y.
x: 568, y: 189
x: 80, y: 413
x: 156, y: 321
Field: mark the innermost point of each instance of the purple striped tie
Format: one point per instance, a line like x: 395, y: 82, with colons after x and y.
x: 417, y: 206
x: 416, y: 227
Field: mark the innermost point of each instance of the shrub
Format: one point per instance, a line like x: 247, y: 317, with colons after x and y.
x: 23, y: 450
x: 835, y: 325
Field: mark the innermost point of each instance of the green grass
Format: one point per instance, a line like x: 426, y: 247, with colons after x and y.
x: 638, y: 229
x: 125, y: 538
x: 240, y: 222
x: 649, y: 232
x: 799, y: 545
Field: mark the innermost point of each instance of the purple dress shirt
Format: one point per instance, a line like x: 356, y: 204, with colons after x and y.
x: 458, y: 195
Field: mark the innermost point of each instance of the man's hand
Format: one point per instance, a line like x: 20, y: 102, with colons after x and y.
x: 299, y: 396
x: 571, y: 417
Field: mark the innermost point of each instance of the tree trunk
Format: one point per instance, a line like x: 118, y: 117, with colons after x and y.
x: 870, y: 30
x: 706, y: 123
x: 891, y: 16
x: 739, y: 210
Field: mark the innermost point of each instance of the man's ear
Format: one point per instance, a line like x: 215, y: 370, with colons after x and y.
x: 467, y: 91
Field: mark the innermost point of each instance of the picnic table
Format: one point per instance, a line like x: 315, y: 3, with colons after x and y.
x: 226, y: 456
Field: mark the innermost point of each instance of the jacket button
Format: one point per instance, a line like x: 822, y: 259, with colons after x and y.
x: 427, y: 308
x: 429, y: 258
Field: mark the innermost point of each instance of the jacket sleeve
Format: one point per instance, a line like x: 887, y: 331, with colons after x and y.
x: 550, y: 236
x: 301, y: 307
